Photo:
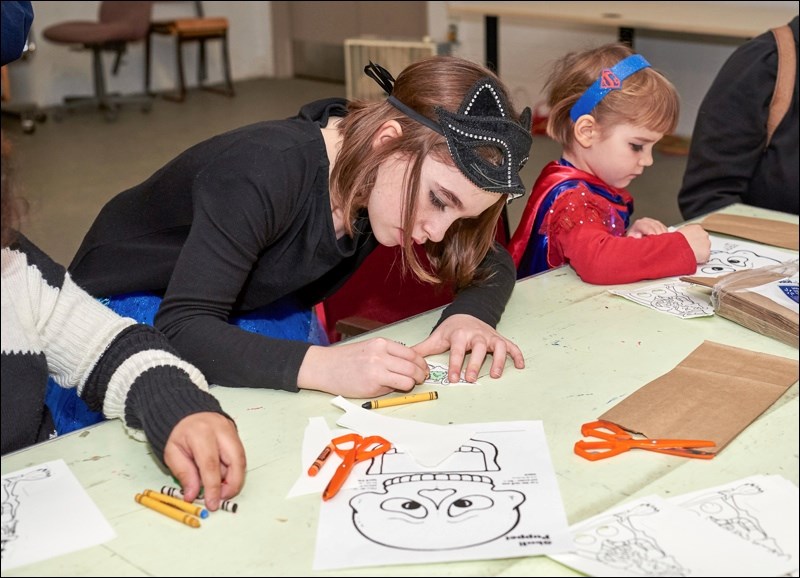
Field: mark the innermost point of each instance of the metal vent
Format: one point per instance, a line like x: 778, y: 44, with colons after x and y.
x: 393, y: 55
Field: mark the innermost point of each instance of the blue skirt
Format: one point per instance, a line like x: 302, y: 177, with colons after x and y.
x: 284, y: 319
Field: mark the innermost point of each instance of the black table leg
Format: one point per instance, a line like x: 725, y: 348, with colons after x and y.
x: 625, y: 35
x: 491, y: 32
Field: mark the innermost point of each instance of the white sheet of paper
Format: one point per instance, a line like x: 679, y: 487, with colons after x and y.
x: 652, y: 537
x: 497, y: 497
x: 47, y: 513
x: 761, y: 510
x: 674, y: 298
x: 730, y: 255
x: 428, y: 443
x: 317, y: 436
x: 687, y: 301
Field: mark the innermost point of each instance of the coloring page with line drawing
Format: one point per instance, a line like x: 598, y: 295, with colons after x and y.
x: 761, y: 510
x: 680, y: 299
x: 653, y: 537
x: 496, y: 497
x: 688, y: 301
x: 46, y: 513
x: 438, y: 376
x: 729, y: 256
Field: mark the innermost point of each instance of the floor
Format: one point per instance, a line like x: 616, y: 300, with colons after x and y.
x: 68, y: 169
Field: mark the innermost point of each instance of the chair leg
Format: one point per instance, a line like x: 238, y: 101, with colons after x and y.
x: 99, y: 78
x: 202, y: 75
x: 109, y: 103
x: 148, y: 42
x: 181, y: 77
x: 180, y: 95
x: 105, y: 104
x: 226, y: 65
x: 202, y: 71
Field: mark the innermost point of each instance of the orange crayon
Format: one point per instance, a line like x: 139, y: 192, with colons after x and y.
x: 320, y: 461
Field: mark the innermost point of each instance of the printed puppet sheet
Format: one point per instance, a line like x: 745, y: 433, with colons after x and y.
x: 496, y: 497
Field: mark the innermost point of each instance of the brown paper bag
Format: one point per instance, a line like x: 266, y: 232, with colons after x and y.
x: 732, y: 300
x: 713, y: 394
x: 767, y: 231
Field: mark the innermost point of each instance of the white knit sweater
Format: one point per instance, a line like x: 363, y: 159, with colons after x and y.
x: 51, y: 327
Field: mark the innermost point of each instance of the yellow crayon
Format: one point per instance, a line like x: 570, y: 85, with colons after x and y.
x: 413, y: 398
x: 168, y: 510
x: 177, y: 503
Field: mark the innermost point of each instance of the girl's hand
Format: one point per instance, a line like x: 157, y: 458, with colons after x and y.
x: 644, y: 227
x: 364, y: 369
x: 463, y: 333
x: 204, y: 450
x: 698, y: 240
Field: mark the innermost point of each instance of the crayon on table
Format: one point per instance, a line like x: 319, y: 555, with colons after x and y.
x: 178, y: 482
x: 323, y: 456
x: 178, y: 503
x: 226, y: 505
x: 413, y: 398
x: 168, y: 510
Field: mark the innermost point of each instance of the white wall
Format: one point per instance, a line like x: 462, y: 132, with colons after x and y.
x: 53, y: 71
x: 527, y: 49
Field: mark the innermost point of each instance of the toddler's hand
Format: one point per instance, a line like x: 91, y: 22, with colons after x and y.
x: 644, y: 227
x: 698, y: 240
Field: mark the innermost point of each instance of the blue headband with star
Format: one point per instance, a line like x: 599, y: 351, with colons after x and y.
x: 610, y: 79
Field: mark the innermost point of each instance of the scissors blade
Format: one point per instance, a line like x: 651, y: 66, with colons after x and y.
x: 686, y: 452
x: 339, y: 476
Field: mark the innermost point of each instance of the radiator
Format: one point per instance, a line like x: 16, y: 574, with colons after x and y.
x: 393, y: 55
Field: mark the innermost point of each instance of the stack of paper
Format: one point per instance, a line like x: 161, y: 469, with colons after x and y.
x: 764, y: 299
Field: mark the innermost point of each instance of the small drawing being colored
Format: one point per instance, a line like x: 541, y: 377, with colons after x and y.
x: 438, y: 376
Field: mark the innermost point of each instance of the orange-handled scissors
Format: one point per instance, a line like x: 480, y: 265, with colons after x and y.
x: 615, y: 440
x: 363, y: 448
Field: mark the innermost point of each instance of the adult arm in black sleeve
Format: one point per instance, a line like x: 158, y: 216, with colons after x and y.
x: 730, y: 129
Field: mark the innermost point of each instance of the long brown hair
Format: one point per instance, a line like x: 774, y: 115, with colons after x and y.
x: 13, y: 208
x: 436, y: 81
x: 646, y: 99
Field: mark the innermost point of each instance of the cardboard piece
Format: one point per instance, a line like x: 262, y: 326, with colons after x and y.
x: 713, y: 394
x: 767, y: 231
x: 732, y: 299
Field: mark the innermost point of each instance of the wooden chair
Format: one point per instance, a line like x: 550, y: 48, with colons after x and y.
x: 199, y: 29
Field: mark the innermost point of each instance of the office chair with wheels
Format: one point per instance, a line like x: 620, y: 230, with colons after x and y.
x: 119, y: 23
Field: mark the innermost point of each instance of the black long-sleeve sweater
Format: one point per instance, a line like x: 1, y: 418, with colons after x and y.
x: 233, y: 224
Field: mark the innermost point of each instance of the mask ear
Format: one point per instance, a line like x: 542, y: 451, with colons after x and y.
x: 585, y: 130
x: 389, y: 130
